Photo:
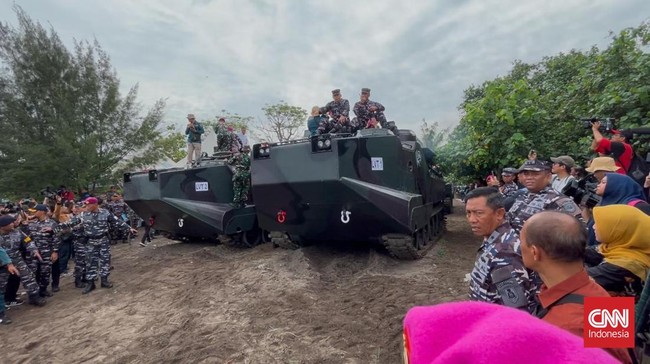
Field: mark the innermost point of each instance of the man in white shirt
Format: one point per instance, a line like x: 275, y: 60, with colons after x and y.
x: 562, y: 172
x: 243, y: 137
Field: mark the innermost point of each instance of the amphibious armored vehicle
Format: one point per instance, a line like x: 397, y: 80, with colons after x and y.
x: 371, y: 186
x: 193, y: 204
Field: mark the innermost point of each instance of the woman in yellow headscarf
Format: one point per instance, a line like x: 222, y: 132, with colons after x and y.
x: 624, y: 234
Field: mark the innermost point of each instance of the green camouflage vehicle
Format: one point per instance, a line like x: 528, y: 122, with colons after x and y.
x: 373, y: 186
x: 193, y: 204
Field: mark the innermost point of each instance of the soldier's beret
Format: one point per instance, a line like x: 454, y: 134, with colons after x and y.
x: 6, y: 220
x: 535, y: 166
x: 336, y: 92
x: 365, y: 90
x: 91, y: 201
x: 40, y: 207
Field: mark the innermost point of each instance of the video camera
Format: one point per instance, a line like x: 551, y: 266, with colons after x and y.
x: 47, y: 192
x: 583, y: 191
x: 606, y: 124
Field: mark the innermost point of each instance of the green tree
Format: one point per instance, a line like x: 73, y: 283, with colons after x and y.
x: 283, y: 122
x: 61, y: 112
x: 538, y: 106
x: 431, y: 136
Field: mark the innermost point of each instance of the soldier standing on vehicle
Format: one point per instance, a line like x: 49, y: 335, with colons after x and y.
x: 221, y: 132
x: 240, y: 179
x: 338, y: 110
x: 536, y: 177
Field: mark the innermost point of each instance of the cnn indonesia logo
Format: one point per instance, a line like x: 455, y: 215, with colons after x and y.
x: 609, y: 322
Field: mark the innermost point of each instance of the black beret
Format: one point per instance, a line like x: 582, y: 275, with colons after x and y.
x: 6, y: 220
x: 365, y: 90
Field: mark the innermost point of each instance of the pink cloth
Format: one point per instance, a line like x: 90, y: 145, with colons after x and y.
x: 478, y: 332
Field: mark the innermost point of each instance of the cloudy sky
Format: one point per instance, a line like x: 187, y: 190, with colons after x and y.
x: 416, y: 56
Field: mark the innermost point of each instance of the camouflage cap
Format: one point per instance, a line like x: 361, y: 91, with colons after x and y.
x: 565, y: 160
x: 534, y: 165
x: 365, y: 91
x: 509, y: 171
x: 336, y: 92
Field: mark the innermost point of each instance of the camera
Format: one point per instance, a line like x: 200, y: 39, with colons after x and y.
x: 606, y: 124
x: 47, y: 192
x: 583, y: 191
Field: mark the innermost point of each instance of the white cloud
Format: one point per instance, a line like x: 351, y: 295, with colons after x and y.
x: 204, y: 56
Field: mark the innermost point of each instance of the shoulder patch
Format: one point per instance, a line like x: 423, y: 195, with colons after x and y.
x: 569, y: 206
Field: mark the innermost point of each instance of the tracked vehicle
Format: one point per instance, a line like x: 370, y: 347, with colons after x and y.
x: 193, y: 204
x: 371, y: 186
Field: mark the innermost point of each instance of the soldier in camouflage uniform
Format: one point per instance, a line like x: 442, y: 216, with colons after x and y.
x: 368, y: 112
x: 6, y: 268
x: 11, y: 241
x: 536, y: 176
x: 118, y: 208
x: 509, y: 187
x: 45, y: 234
x: 96, y: 223
x: 241, y: 179
x: 339, y: 111
x: 79, y: 245
x: 221, y: 132
x: 233, y: 142
x: 499, y: 275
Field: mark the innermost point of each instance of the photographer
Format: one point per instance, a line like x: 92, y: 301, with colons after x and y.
x: 617, y: 147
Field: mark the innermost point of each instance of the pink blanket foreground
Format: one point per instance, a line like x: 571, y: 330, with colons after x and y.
x: 476, y: 332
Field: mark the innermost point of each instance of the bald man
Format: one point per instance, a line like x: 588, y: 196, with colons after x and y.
x: 553, y: 245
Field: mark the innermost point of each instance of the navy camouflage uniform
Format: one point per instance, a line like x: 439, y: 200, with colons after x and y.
x: 4, y: 277
x: 502, y: 249
x: 79, y: 245
x: 527, y: 205
x: 120, y: 210
x: 45, y: 235
x: 509, y: 189
x: 336, y: 109
x: 240, y: 178
x: 363, y: 113
x: 96, y: 226
x: 11, y: 243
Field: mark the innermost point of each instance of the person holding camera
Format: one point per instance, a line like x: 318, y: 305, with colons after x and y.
x: 193, y: 131
x: 617, y: 146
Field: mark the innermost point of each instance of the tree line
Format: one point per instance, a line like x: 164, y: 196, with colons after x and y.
x: 64, y: 120
x: 538, y: 106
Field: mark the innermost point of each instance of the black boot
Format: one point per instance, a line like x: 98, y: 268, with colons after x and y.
x: 78, y: 282
x: 106, y: 283
x: 4, y: 319
x: 36, y: 300
x: 55, y: 288
x: 89, y: 287
x: 43, y: 292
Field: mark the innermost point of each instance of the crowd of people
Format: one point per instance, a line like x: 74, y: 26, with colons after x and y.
x: 37, y: 241
x: 546, y: 246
